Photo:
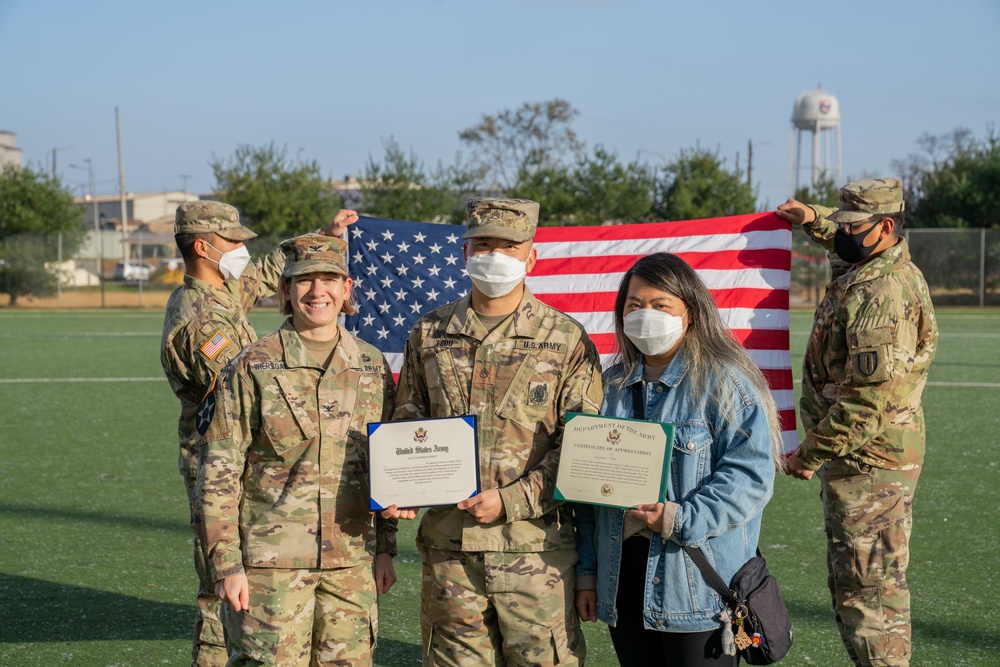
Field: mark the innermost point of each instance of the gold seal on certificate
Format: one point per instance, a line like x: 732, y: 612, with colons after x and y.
x: 423, y: 463
x: 612, y: 461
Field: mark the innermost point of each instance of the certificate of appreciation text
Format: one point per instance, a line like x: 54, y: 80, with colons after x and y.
x: 612, y: 461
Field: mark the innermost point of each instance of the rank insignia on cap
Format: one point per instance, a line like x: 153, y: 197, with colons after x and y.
x: 212, y: 348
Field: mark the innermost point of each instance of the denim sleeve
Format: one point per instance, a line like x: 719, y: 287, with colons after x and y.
x: 741, y: 482
x: 583, y: 521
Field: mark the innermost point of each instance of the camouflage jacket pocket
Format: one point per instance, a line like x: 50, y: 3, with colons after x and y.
x: 870, y: 360
x: 527, y: 398
x: 286, y: 415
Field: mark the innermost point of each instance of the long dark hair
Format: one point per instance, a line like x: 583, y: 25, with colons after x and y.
x: 708, y: 345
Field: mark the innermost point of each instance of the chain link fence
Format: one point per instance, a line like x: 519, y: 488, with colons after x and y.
x: 962, y: 268
x: 85, y: 270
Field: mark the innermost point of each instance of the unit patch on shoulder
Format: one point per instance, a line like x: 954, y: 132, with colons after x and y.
x: 206, y: 412
x: 868, y: 362
x: 215, y: 345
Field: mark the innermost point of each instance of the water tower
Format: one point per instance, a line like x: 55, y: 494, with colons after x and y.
x: 818, y: 112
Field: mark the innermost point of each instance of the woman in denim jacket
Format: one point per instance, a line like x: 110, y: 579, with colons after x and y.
x: 633, y: 573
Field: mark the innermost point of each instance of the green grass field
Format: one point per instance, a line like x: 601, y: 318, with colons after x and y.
x: 95, y: 550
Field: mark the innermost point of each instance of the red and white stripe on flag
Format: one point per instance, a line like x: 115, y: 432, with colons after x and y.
x: 744, y: 260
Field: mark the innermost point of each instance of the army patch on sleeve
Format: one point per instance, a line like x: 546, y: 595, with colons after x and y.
x: 216, y: 344
x: 206, y: 412
x: 867, y: 362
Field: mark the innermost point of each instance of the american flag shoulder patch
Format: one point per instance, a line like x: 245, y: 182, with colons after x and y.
x: 215, y: 345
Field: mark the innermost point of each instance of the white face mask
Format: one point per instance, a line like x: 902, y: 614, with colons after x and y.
x: 233, y: 262
x: 654, y: 332
x: 495, y: 274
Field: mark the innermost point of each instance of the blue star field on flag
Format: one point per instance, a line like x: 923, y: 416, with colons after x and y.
x: 401, y: 270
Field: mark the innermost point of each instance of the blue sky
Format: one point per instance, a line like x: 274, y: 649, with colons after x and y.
x: 332, y: 80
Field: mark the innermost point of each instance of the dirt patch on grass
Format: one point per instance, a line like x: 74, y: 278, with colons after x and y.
x: 92, y: 298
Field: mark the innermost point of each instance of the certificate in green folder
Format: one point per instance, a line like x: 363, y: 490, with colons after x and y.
x: 613, y: 461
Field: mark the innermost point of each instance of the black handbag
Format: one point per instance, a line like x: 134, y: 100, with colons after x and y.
x: 762, y: 630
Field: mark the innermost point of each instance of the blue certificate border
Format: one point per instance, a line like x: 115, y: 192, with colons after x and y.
x: 468, y: 419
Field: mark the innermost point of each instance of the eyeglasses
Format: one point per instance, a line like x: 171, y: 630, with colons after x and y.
x: 848, y: 227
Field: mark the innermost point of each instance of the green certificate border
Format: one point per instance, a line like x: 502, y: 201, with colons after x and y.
x: 668, y: 430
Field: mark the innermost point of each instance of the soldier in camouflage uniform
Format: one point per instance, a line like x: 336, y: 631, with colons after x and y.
x: 872, y: 343
x: 204, y: 327
x: 498, y: 568
x: 296, y: 554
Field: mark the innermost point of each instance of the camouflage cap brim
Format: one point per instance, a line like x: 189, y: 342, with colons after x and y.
x: 498, y: 232
x: 236, y: 234
x: 850, y: 216
x: 305, y: 266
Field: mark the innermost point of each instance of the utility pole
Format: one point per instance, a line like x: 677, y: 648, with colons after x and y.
x: 121, y: 188
x: 124, y: 207
x: 55, y: 151
x: 184, y: 181
x: 750, y: 160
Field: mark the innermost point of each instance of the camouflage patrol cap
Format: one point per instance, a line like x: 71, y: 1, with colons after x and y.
x: 314, y: 253
x: 511, y: 219
x: 861, y: 200
x: 201, y: 217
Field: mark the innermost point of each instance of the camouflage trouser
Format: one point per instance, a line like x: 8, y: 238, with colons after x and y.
x: 868, y: 516
x: 305, y: 617
x: 209, y: 646
x: 481, y: 609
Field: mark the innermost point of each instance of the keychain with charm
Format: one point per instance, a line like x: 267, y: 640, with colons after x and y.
x: 742, y: 639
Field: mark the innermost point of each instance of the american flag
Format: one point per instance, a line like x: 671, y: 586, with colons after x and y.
x: 402, y: 270
x: 212, y: 347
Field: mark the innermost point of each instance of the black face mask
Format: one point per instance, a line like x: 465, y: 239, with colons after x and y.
x: 851, y: 247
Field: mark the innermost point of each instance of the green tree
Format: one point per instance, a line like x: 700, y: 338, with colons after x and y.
x: 810, y: 268
x: 522, y: 141
x: 554, y: 188
x: 935, y: 152
x: 400, y: 188
x: 276, y: 197
x: 596, y: 190
x: 826, y: 192
x: 698, y: 185
x: 34, y: 209
x: 956, y: 183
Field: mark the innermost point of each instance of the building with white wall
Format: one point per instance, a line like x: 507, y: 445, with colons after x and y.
x: 9, y: 152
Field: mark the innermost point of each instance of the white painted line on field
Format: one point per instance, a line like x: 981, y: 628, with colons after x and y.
x: 988, y: 385
x: 30, y: 380
x: 950, y: 334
